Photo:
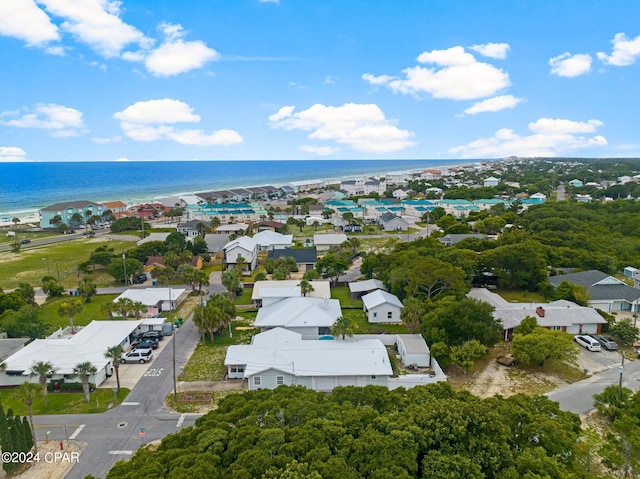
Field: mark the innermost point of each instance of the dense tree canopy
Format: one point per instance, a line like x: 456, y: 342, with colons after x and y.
x: 424, y: 432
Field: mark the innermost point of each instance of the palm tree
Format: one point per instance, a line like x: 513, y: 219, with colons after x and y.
x: 344, y: 327
x: 123, y: 306
x: 43, y: 370
x: 114, y: 353
x: 87, y: 289
x: 70, y: 308
x: 27, y: 393
x: 305, y: 287
x: 138, y: 308
x: 84, y: 370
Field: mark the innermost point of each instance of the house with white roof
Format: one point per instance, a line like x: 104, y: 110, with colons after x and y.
x: 491, y: 181
x: 311, y: 317
x: 560, y: 315
x: 307, y: 185
x: 244, y: 248
x: 87, y: 345
x: 382, y: 307
x: 267, y: 292
x: 269, y: 240
x: 283, y: 357
x: 324, y: 242
x: 231, y: 228
x: 360, y: 288
x: 156, y: 300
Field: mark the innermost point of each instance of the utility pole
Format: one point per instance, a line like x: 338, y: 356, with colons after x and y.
x: 621, y: 368
x: 173, y: 343
x: 124, y: 267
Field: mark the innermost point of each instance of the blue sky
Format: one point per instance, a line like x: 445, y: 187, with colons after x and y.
x: 100, y: 80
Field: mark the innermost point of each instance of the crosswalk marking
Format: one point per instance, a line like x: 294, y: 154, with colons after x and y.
x: 77, y: 431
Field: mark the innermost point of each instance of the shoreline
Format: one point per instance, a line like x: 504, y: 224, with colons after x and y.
x: 31, y: 215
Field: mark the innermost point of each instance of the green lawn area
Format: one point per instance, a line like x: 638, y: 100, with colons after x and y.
x: 342, y: 294
x: 63, y: 402
x: 30, y: 264
x: 90, y: 311
x: 352, y: 309
x: 244, y: 298
x: 207, y: 361
x: 521, y: 296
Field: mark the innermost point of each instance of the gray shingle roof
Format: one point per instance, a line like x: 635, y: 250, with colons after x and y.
x: 304, y: 255
x: 598, y: 292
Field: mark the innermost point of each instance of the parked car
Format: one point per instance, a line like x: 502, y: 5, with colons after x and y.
x: 153, y: 334
x: 587, y: 342
x: 137, y: 356
x: 607, y: 343
x: 146, y: 344
x: 141, y: 278
x: 167, y: 329
x: 506, y: 360
x: 25, y: 241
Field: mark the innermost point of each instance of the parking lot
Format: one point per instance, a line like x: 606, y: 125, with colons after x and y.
x: 131, y: 373
x: 598, y: 361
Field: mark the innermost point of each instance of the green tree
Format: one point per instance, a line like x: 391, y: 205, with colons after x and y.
x: 114, y: 354
x: 87, y: 289
x: 543, y: 344
x: 70, y: 308
x: 25, y: 322
x: 518, y: 266
x: 231, y: 281
x: 27, y: 393
x: 625, y: 330
x: 51, y: 287
x: 465, y: 355
x: 84, y: 370
x: 305, y: 287
x: 27, y: 292
x: 412, y: 313
x: 332, y: 266
x: 43, y: 370
x: 344, y: 326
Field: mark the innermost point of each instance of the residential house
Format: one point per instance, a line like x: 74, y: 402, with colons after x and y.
x: 605, y: 292
x: 227, y: 213
x: 490, y: 182
x: 243, y: 249
x: 391, y: 222
x: 70, y: 213
x: 230, y: 229
x: 282, y: 357
x: 269, y: 240
x: 311, y: 317
x: 216, y: 243
x: 156, y: 300
x: 400, y: 194
x: 358, y: 289
x: 452, y: 239
x: 382, y: 307
x: 118, y: 209
x: 561, y: 315
x: 192, y: 228
x: 269, y: 225
x: 576, y: 183
x: 324, y: 242
x: 363, y: 186
x: 305, y: 258
x: 66, y: 352
x: 307, y: 185
x: 288, y: 288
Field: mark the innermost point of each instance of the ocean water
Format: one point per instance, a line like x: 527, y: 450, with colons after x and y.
x: 27, y: 187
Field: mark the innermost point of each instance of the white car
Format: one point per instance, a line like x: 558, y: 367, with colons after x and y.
x: 588, y: 342
x: 137, y: 356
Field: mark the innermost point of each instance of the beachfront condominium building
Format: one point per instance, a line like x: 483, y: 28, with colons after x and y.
x: 227, y: 212
x: 70, y: 213
x: 363, y: 186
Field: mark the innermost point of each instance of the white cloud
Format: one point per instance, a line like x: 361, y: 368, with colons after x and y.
x: 22, y: 19
x: 456, y: 76
x: 177, y: 56
x: 151, y: 121
x: 106, y: 141
x: 63, y: 121
x: 551, y: 137
x: 363, y: 127
x: 319, y: 150
x: 496, y: 103
x: 330, y: 80
x: 12, y: 153
x: 96, y: 23
x: 165, y: 110
x: 569, y: 66
x: 492, y: 50
x: 625, y: 51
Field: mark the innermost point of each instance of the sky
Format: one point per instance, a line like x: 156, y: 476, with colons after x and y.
x: 139, y: 80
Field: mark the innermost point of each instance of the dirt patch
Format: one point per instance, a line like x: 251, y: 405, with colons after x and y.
x: 50, y: 465
x: 195, y: 397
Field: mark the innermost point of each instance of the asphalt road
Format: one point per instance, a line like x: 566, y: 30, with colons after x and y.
x: 115, y: 435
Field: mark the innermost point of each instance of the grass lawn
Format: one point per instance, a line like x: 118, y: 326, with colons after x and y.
x: 521, y: 296
x: 244, y: 298
x: 342, y: 294
x: 30, y: 264
x: 207, y: 361
x: 90, y: 311
x: 63, y: 402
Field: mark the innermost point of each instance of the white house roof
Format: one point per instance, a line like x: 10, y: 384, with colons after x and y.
x: 556, y: 314
x: 152, y: 296
x: 232, y: 228
x: 243, y: 242
x: 286, y: 351
x: 268, y: 238
x: 414, y: 343
x: 89, y: 344
x: 321, y: 289
x: 281, y: 292
x: 299, y: 312
x: 330, y: 239
x: 378, y: 297
x: 368, y: 285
